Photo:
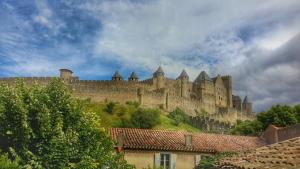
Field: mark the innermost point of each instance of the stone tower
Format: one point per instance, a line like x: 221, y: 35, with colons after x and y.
x: 247, y: 106
x: 184, y: 79
x: 237, y: 102
x: 133, y: 77
x: 201, y: 83
x: 65, y: 74
x: 204, y: 89
x: 228, y: 84
x: 117, y: 76
x: 159, y: 78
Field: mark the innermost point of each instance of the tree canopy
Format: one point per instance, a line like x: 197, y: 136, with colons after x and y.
x: 278, y: 115
x: 47, y: 128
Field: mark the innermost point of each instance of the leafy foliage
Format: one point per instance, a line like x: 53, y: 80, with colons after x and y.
x: 6, y: 163
x: 278, y: 115
x: 145, y: 118
x: 210, y: 162
x: 110, y: 107
x: 49, y: 129
x: 134, y: 103
x: 179, y: 116
x: 247, y: 127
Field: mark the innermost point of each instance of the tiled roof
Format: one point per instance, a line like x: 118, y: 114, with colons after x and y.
x: 282, y: 155
x: 175, y: 140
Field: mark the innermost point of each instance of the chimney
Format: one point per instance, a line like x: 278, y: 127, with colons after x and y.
x: 120, y: 140
x: 188, y: 140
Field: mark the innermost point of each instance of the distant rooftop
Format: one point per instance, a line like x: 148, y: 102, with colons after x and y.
x: 175, y: 140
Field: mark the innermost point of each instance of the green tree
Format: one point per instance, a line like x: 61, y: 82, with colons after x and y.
x: 279, y: 115
x: 247, y: 128
x: 145, y: 118
x: 297, y: 112
x: 47, y: 128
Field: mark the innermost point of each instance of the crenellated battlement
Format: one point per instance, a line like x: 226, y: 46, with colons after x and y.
x: 212, y: 95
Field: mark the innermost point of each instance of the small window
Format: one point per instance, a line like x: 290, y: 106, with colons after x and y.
x: 165, y: 161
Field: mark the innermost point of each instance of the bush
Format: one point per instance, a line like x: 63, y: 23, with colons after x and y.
x: 110, y: 107
x: 6, y: 163
x: 179, y: 116
x: 145, y: 118
x: 133, y: 103
x: 247, y: 128
x: 210, y: 162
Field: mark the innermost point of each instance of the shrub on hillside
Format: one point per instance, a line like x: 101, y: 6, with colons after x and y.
x: 247, y: 128
x: 145, y: 118
x: 133, y: 103
x: 179, y: 116
x: 110, y: 107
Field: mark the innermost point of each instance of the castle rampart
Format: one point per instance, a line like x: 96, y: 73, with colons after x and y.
x: 211, y: 95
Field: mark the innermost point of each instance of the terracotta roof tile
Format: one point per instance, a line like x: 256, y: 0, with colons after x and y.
x: 175, y: 140
x: 283, y: 155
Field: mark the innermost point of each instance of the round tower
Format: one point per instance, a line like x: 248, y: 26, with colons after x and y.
x: 117, y: 76
x: 65, y: 74
x: 133, y: 77
x: 159, y: 78
x: 184, y: 79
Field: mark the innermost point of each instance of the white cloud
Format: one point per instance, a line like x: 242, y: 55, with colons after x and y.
x: 45, y: 17
x: 200, y: 35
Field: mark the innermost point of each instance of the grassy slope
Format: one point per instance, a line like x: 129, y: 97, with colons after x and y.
x: 124, y: 111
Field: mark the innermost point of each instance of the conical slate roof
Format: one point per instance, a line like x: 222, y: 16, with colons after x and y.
x: 245, y: 99
x: 203, y: 76
x: 133, y: 76
x: 159, y: 71
x: 117, y: 75
x: 183, y: 75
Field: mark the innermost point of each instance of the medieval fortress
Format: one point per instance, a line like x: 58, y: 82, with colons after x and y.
x: 210, y: 96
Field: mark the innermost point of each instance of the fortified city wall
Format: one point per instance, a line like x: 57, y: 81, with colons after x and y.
x: 210, y: 95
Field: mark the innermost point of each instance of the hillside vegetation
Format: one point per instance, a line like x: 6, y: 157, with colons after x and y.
x: 113, y: 114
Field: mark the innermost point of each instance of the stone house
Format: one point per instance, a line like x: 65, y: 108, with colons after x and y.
x: 175, y: 149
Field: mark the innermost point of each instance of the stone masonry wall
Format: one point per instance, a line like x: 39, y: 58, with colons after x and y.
x: 121, y: 91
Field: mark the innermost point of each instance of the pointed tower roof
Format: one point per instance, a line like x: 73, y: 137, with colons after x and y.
x: 133, y: 76
x: 246, y: 100
x: 117, y: 75
x: 159, y: 71
x: 183, y: 75
x: 203, y: 76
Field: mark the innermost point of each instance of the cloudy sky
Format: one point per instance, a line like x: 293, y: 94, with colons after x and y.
x: 257, y: 42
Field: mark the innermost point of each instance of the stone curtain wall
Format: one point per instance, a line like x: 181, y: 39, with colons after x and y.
x: 288, y: 132
x: 275, y: 134
x: 168, y: 98
x: 209, y: 124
